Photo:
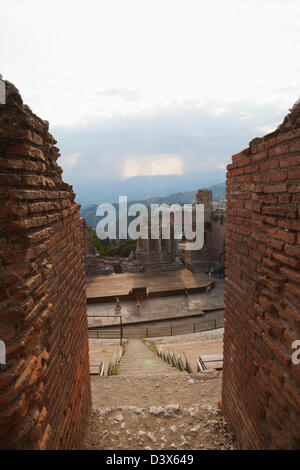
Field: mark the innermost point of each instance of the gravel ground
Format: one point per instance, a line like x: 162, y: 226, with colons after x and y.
x: 159, y: 427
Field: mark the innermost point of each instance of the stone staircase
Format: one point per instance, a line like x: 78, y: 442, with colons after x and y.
x: 151, y: 405
x: 139, y: 361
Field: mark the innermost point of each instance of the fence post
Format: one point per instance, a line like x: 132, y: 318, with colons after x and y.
x: 194, y: 327
x: 121, y: 331
x: 171, y: 330
x: 146, y: 332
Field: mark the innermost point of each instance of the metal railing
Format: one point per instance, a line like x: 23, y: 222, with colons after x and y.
x: 154, y: 331
x: 118, y: 332
x: 153, y: 311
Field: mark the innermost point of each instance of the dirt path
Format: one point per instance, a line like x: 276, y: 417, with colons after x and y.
x: 151, y: 405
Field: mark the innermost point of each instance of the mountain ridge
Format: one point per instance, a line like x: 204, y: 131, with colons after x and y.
x: 88, y: 212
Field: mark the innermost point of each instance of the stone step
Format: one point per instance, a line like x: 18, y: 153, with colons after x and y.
x: 139, y: 361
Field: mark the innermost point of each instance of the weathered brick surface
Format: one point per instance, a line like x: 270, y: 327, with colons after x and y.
x: 44, y: 387
x: 89, y: 248
x: 261, y: 386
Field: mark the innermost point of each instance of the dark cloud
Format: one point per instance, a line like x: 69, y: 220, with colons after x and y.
x: 203, y: 138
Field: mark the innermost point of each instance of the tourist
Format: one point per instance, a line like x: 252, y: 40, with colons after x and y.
x: 208, y: 290
x: 138, y: 306
x: 118, y: 305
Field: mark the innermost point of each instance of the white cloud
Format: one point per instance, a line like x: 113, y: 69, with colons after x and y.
x: 221, y: 166
x: 164, y: 52
x: 69, y: 161
x: 266, y: 129
x: 216, y: 112
x: 125, y: 93
x: 152, y: 165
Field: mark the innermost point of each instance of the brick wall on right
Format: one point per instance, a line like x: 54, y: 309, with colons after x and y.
x: 261, y: 385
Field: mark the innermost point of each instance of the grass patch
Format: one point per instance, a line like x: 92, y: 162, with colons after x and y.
x: 150, y: 345
x: 124, y: 346
x: 113, y: 369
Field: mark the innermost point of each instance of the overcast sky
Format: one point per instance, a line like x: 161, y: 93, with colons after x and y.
x: 152, y: 87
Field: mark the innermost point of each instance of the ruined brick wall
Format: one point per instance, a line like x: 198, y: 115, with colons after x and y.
x: 204, y: 196
x: 218, y: 239
x: 44, y: 386
x: 212, y: 254
x: 88, y: 239
x: 261, y: 385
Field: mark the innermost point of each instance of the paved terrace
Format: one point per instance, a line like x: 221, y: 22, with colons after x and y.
x: 113, y: 285
x: 176, y: 306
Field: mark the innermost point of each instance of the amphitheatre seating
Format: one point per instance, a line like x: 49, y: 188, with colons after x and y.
x: 213, y: 361
x: 201, y: 367
x: 195, y: 356
x: 103, y: 358
x: 97, y: 369
x: 175, y: 360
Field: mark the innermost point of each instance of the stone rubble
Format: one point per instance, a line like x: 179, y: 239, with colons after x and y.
x: 191, y: 428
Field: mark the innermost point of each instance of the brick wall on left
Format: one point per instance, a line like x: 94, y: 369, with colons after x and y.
x: 45, y: 396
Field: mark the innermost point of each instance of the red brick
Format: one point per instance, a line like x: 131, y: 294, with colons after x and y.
x: 294, y: 147
x: 291, y: 274
x: 294, y: 188
x: 282, y: 235
x: 276, y: 176
x: 251, y: 169
x: 269, y: 165
x: 275, y: 244
x: 25, y: 151
x: 278, y: 150
x: 238, y: 171
x: 240, y: 154
x: 42, y: 301
x: 281, y: 211
x: 294, y: 174
x: 290, y: 162
x: 263, y: 296
x: 293, y: 290
x: 259, y: 156
x: 292, y: 250
x: 287, y: 260
x: 243, y: 162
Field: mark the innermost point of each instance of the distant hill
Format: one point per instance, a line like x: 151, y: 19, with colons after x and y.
x: 188, y: 197
x: 218, y: 190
